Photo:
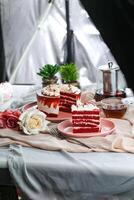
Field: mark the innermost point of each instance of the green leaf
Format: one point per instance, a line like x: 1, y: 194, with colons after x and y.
x: 48, y: 71
x: 69, y: 73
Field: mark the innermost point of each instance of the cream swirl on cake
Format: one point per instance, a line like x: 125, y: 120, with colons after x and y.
x: 81, y: 106
x: 70, y: 89
x: 51, y: 90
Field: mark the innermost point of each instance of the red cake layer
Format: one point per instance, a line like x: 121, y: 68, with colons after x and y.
x: 89, y: 122
x: 84, y: 125
x: 95, y: 121
x: 49, y: 101
x: 88, y: 112
x: 95, y: 117
x: 48, y: 104
x: 65, y: 108
x: 70, y: 95
x: 86, y: 129
x: 85, y: 118
x: 67, y: 100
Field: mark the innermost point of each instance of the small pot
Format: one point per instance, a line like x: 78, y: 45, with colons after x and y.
x: 46, y: 82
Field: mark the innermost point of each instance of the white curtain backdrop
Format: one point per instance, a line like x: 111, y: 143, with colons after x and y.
x: 34, y: 33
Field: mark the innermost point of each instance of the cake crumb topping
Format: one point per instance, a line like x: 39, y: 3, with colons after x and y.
x: 51, y: 90
x: 70, y: 88
x: 82, y: 106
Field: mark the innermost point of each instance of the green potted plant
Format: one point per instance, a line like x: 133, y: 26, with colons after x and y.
x: 69, y: 74
x: 48, y: 74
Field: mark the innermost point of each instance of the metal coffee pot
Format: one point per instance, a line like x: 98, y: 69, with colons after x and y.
x: 108, y: 82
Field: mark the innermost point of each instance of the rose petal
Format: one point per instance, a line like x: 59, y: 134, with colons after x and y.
x: 2, y: 122
x: 9, y: 119
x: 12, y: 122
x: 17, y: 113
x: 7, y: 112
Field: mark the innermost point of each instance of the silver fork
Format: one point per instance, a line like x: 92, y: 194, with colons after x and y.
x: 54, y: 131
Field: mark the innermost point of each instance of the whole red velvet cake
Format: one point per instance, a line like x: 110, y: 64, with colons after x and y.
x: 69, y: 95
x: 48, y: 100
x: 85, y: 118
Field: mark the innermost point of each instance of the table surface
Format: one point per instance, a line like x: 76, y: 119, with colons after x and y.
x: 75, y: 175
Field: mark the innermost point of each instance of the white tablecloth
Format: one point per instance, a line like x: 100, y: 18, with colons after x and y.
x: 76, y: 176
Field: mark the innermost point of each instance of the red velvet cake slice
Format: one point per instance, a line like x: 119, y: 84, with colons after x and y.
x: 49, y: 99
x: 69, y: 95
x: 85, y: 118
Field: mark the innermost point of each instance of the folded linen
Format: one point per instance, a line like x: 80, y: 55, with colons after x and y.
x: 121, y: 140
x: 115, y: 142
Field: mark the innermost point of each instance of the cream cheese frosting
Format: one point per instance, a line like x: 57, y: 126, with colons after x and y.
x: 87, y: 107
x: 51, y: 90
x: 70, y: 89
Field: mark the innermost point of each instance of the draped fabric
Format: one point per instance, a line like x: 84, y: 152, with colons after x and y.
x: 35, y: 33
x: 47, y: 175
x: 115, y: 21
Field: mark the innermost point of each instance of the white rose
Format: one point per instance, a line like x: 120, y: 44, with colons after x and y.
x: 33, y: 121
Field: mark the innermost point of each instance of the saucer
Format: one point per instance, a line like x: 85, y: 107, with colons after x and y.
x: 61, y: 117
x: 66, y: 129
